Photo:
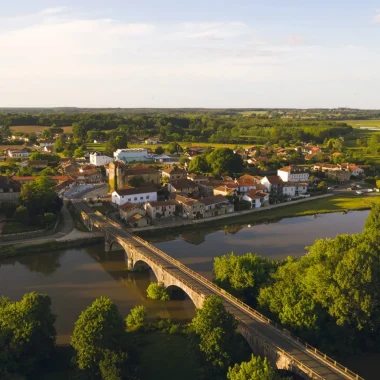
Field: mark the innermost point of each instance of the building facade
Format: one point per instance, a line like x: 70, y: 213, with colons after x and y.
x: 99, y: 159
x: 293, y: 173
x: 160, y: 209
x: 134, y: 195
x: 132, y: 155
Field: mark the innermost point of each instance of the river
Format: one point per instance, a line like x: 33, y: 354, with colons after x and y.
x: 73, y: 278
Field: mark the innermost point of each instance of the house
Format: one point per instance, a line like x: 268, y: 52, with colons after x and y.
x: 38, y: 164
x: 129, y: 209
x: 216, y: 205
x: 197, y: 178
x: 355, y: 170
x: 250, y: 149
x: 190, y: 208
x: 120, y: 175
x: 88, y: 176
x: 99, y: 159
x: 256, y: 198
x: 183, y: 186
x: 227, y: 188
x: 64, y: 186
x: 325, y: 166
x: 273, y: 183
x: 131, y: 155
x: 18, y: 153
x: 138, y: 220
x: 9, y: 189
x: 293, y: 173
x: 173, y: 173
x: 47, y: 143
x: 289, y: 189
x: 311, y: 149
x: 160, y: 209
x: 152, y: 141
x: 246, y: 182
x: 134, y: 195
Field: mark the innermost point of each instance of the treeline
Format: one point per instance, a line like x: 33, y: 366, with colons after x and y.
x: 192, y: 127
x: 106, y: 346
x: 330, y: 297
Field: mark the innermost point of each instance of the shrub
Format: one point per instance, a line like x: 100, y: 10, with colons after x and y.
x: 157, y: 292
x: 136, y: 316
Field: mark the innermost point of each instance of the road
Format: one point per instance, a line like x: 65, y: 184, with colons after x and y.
x: 236, y: 307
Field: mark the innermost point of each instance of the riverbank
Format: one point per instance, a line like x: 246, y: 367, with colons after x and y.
x: 329, y: 203
x: 11, y: 250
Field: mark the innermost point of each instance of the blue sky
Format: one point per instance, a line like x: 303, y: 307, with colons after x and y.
x: 190, y: 54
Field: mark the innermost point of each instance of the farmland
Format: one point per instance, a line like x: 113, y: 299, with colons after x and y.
x: 36, y: 128
x: 363, y: 123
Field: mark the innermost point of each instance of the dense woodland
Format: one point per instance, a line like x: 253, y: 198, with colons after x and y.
x: 191, y: 127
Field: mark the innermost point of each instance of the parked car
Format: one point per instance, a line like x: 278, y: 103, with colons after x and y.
x: 359, y: 192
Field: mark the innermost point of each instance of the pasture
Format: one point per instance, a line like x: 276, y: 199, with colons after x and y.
x: 36, y: 128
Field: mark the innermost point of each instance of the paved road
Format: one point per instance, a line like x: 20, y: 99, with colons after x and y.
x: 205, y: 287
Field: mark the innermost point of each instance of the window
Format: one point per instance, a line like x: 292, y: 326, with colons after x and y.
x: 129, y: 199
x: 135, y: 198
x: 141, y: 198
x: 123, y: 196
x: 147, y: 197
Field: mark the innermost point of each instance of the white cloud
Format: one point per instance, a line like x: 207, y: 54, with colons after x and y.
x: 377, y: 17
x: 54, y: 11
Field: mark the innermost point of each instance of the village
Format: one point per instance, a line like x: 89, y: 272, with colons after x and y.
x: 144, y: 188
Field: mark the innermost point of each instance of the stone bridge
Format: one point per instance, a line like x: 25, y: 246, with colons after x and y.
x: 264, y: 336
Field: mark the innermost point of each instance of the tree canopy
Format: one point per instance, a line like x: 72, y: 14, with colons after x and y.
x: 99, y: 339
x: 27, y: 333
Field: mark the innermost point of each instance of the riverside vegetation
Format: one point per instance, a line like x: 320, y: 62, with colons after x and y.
x: 105, y: 346
x: 330, y: 297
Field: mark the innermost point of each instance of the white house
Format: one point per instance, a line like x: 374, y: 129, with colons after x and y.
x: 134, y: 195
x: 160, y: 209
x: 152, y: 141
x: 129, y: 155
x: 289, y: 189
x: 47, y: 143
x: 256, y: 198
x: 293, y: 173
x: 18, y: 153
x: 99, y: 159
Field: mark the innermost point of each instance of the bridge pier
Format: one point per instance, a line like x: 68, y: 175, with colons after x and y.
x: 130, y: 264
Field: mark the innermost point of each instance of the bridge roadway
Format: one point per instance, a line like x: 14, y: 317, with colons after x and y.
x: 316, y: 364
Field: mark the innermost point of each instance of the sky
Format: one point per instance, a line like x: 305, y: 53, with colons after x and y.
x: 176, y: 53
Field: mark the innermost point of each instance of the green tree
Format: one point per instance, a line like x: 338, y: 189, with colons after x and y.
x: 378, y: 183
x: 199, y: 164
x: 157, y: 292
x: 256, y: 369
x: 224, y: 160
x: 27, y: 333
x: 59, y: 145
x: 159, y: 150
x: 216, y: 329
x: 79, y: 152
x: 32, y: 137
x: 44, y: 156
x: 39, y: 197
x: 243, y: 274
x: 99, y: 339
x: 174, y: 147
x: 136, y: 316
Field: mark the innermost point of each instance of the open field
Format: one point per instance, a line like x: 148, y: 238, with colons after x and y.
x: 5, y: 147
x: 95, y: 147
x: 363, y: 123
x: 36, y: 128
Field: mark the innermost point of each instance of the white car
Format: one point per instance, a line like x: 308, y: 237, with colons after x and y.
x: 359, y: 192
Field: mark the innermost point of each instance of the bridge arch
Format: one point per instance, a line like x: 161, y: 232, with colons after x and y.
x: 114, y: 245
x: 195, y: 298
x: 141, y: 263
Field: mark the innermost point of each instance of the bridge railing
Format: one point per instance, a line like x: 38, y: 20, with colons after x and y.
x: 309, y: 348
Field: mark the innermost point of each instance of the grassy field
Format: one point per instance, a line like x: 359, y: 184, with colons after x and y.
x: 36, y: 128
x: 5, y: 147
x: 363, y: 123
x: 95, y: 147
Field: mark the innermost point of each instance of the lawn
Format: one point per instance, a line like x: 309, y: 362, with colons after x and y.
x: 36, y: 128
x: 95, y: 147
x: 166, y: 357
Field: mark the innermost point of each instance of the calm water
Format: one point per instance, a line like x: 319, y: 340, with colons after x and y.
x: 74, y: 278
